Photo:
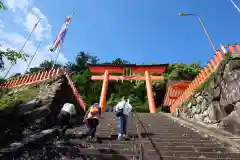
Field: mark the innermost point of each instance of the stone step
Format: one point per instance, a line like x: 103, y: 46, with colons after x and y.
x: 198, y: 147
x: 161, y: 147
x: 168, y: 139
x: 164, y: 153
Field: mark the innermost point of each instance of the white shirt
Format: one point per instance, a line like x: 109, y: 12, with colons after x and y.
x: 70, y: 108
x: 126, y: 109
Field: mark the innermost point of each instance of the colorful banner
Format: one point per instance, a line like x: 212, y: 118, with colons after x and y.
x: 61, y: 35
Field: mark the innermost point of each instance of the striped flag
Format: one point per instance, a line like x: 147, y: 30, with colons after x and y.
x: 61, y: 34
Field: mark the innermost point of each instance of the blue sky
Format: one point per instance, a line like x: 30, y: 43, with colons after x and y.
x: 137, y: 30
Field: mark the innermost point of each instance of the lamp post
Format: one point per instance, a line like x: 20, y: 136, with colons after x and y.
x: 201, y: 22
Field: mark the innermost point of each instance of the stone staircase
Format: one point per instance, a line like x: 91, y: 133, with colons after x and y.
x: 153, y: 137
x: 171, y: 140
x: 107, y: 146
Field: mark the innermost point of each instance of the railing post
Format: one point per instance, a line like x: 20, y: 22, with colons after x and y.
x: 237, y: 47
x: 231, y: 49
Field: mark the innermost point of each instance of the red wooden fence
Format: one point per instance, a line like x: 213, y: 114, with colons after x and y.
x: 174, y: 90
x: 204, y: 74
x: 42, y: 76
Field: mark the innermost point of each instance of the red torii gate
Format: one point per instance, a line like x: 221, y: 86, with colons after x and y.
x: 128, y: 69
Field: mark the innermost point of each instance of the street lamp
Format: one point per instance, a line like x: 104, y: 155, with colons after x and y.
x: 201, y: 22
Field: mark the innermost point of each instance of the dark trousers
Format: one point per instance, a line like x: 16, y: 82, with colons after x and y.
x: 123, y: 124
x: 64, y: 120
x: 92, y: 126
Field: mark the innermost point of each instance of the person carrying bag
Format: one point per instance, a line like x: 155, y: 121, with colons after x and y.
x: 122, y: 109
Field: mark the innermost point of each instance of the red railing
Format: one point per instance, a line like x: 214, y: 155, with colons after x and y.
x: 174, y: 90
x: 42, y: 76
x: 204, y: 74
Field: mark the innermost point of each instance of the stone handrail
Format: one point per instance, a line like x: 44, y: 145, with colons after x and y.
x: 204, y: 74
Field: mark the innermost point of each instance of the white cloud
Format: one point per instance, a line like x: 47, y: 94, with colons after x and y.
x: 18, y: 19
x: 38, y: 12
x: 43, y: 30
x: 18, y: 4
x: 31, y: 14
x: 28, y: 16
x: 13, y: 38
x: 1, y: 25
x: 30, y: 48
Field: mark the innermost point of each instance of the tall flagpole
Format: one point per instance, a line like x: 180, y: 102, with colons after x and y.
x: 61, y: 43
x: 235, y: 5
x: 58, y: 52
x: 33, y: 56
x: 35, y: 26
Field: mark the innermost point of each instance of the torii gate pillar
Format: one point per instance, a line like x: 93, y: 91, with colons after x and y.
x: 104, y: 90
x: 151, y: 102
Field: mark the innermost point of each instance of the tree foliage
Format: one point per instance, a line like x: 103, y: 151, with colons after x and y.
x: 181, y: 71
x: 45, y: 65
x: 12, y: 56
x: 135, y: 90
x: 2, y: 6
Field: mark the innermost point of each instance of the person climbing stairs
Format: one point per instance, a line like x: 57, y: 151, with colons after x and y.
x: 152, y: 137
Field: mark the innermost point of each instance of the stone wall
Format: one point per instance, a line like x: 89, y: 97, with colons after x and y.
x: 217, y: 101
x: 27, y: 117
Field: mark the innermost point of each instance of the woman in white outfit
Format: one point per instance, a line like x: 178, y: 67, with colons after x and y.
x: 126, y: 108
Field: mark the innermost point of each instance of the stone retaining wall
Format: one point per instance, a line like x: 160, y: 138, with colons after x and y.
x: 28, y: 117
x: 218, y: 102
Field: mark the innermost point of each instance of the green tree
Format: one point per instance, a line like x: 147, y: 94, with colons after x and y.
x: 81, y: 62
x: 119, y: 61
x: 45, y: 65
x: 34, y: 70
x: 181, y: 71
x: 12, y: 56
x: 2, y: 6
x: 136, y: 90
x: 15, y: 75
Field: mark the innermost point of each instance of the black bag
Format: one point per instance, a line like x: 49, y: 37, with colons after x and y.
x: 119, y: 112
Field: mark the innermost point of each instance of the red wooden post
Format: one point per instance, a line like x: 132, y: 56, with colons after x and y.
x: 231, y: 49
x: 9, y: 83
x: 210, y: 66
x: 44, y: 75
x: 31, y: 78
x: 38, y: 76
x: 217, y: 60
x: 34, y: 77
x: 17, y: 81
x: 28, y: 79
x: 213, y: 62
x: 237, y: 47
x: 53, y: 73
x: 58, y: 71
x: 21, y: 80
x: 49, y: 73
x: 220, y: 55
x: 41, y: 76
